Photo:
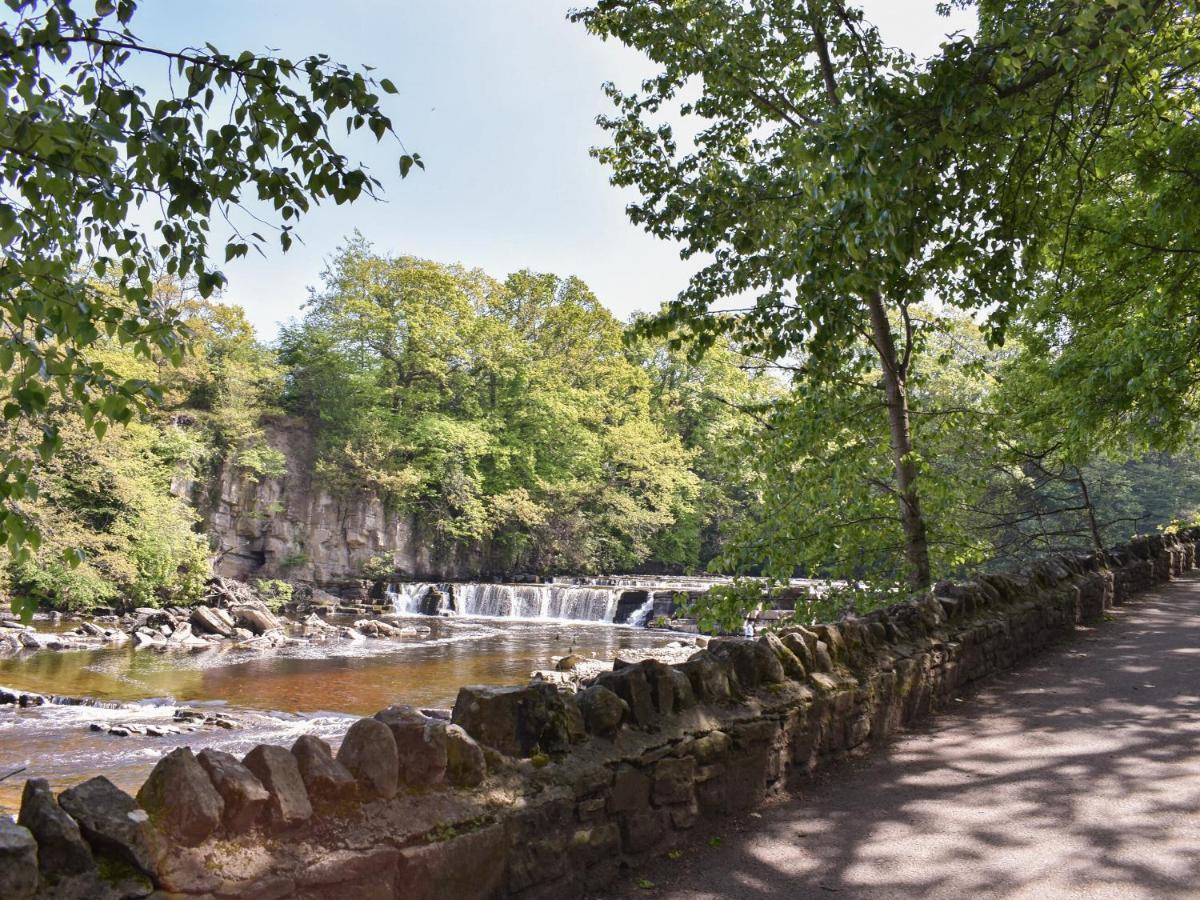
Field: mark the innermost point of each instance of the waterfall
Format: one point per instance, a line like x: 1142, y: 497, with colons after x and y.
x: 406, y: 597
x: 537, y: 601
x: 640, y: 616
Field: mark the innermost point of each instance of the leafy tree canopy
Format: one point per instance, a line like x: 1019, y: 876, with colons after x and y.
x: 105, y: 188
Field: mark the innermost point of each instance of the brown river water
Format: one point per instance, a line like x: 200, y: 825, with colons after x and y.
x: 277, y: 695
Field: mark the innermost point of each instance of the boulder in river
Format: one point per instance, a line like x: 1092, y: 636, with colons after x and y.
x: 18, y: 861
x: 245, y: 798
x: 254, y: 616
x: 62, y: 851
x: 210, y: 620
x: 180, y: 798
x: 112, y: 822
x: 277, y: 770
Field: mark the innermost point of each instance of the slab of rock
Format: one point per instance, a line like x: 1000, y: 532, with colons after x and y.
x: 326, y: 780
x: 245, y: 798
x: 62, y: 851
x: 465, y: 763
x: 420, y: 747
x: 277, y: 770
x: 18, y: 861
x: 180, y: 798
x: 113, y: 823
x: 792, y: 666
x: 212, y: 621
x: 369, y: 752
x: 753, y: 664
x: 603, y: 711
x: 519, y: 721
x: 631, y: 685
x: 255, y: 617
x: 709, y: 679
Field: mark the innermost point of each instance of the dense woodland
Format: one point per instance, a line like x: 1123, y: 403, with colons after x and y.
x: 520, y: 414
x: 945, y: 312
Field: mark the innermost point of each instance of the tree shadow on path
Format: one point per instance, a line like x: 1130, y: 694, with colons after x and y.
x: 1077, y: 775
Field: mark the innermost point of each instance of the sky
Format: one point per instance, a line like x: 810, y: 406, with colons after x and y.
x: 500, y: 98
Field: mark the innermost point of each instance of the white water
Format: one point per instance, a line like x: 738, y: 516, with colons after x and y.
x: 406, y: 597
x: 537, y: 601
x: 640, y: 616
x: 586, y: 603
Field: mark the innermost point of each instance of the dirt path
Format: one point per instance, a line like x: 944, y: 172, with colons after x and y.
x: 1075, y: 776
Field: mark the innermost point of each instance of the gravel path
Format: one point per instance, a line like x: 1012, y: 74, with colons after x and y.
x: 1077, y: 775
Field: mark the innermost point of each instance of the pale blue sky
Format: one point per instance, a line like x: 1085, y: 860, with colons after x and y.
x: 500, y: 98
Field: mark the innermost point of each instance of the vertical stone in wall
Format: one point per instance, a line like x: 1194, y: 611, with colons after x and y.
x: 276, y: 768
x: 62, y: 851
x: 245, y: 798
x: 180, y: 798
x: 368, y: 751
x: 18, y: 861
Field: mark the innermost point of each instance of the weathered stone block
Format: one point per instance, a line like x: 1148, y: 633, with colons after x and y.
x: 673, y: 778
x: 590, y: 845
x: 288, y: 805
x: 18, y: 861
x: 465, y: 764
x: 112, y: 823
x: 603, y: 711
x: 753, y: 664
x: 245, y: 799
x: 420, y: 746
x: 519, y: 721
x: 469, y: 867
x: 180, y: 798
x: 327, y: 781
x: 708, y: 677
x: 632, y: 686
x: 62, y: 851
x: 630, y: 791
x: 368, y: 751
x: 792, y: 666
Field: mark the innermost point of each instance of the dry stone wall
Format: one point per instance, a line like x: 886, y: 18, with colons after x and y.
x: 531, y: 792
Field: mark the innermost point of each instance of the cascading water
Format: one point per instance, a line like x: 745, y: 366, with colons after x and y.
x: 407, y: 597
x: 537, y: 601
x: 640, y: 616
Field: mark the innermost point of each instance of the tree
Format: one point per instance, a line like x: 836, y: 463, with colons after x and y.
x: 837, y: 182
x: 88, y: 156
x: 506, y: 416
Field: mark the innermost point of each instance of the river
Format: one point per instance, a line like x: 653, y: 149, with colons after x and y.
x: 275, y: 695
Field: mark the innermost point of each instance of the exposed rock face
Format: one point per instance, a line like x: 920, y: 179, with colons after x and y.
x: 18, y: 861
x: 369, y: 752
x: 245, y: 799
x: 326, y: 779
x: 292, y: 527
x: 277, y: 770
x: 62, y: 851
x: 113, y: 823
x: 180, y: 798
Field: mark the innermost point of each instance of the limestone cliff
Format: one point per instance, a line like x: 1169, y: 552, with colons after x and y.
x: 291, y: 527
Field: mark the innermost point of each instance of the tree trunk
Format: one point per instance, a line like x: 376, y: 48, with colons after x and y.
x: 1097, y: 540
x: 916, y: 542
